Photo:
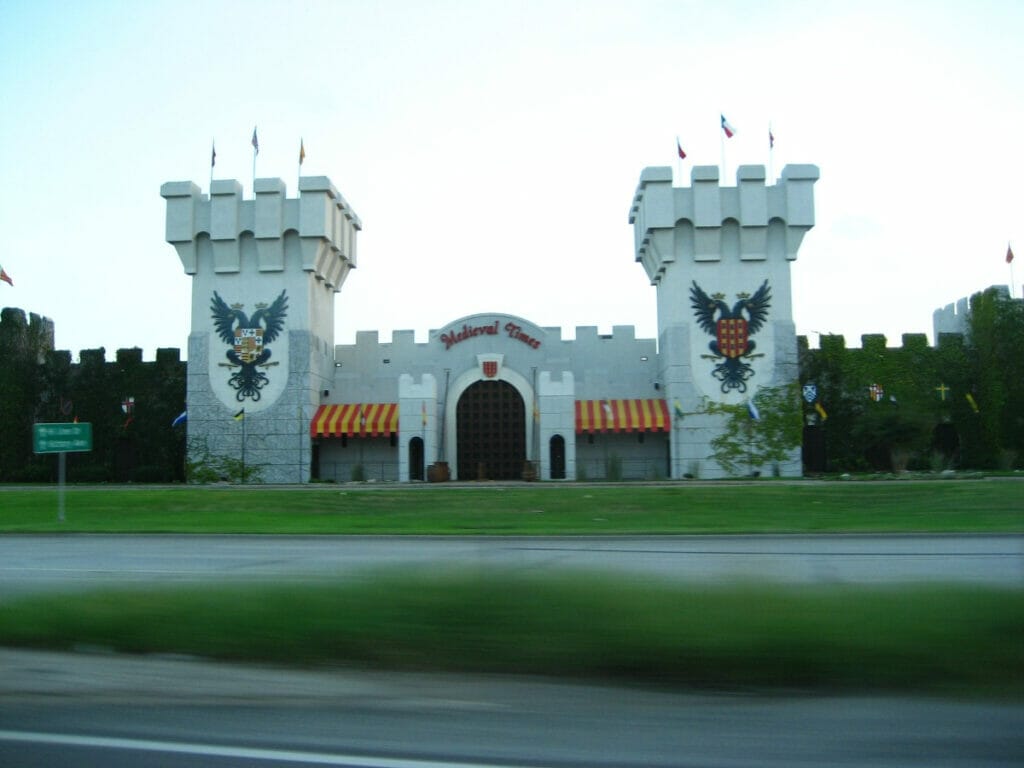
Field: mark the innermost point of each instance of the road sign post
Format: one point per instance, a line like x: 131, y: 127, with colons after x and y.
x: 61, y: 438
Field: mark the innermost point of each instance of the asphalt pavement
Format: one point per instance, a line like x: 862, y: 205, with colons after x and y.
x: 98, y: 710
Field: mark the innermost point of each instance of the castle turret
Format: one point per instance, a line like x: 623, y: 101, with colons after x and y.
x: 719, y: 257
x: 264, y: 274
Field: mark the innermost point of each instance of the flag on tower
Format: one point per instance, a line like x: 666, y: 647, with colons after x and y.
x: 6, y: 278
x: 213, y: 154
x: 255, y: 142
x: 1009, y: 254
x: 771, y: 139
x: 679, y: 149
x: 302, y: 151
x: 729, y: 130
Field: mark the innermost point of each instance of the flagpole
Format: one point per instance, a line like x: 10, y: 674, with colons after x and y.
x: 771, y: 155
x: 255, y: 152
x: 1013, y: 285
x: 213, y: 161
x: 242, y: 478
x: 721, y: 144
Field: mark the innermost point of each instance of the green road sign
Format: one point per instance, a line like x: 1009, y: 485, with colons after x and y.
x: 61, y: 438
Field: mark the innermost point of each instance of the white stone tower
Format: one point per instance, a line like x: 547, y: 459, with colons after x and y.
x: 720, y: 257
x: 261, y: 348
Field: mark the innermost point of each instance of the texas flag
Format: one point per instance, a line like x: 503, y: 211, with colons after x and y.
x: 729, y: 130
x: 5, y: 277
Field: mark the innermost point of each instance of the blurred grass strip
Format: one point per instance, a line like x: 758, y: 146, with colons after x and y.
x: 954, y: 506
x: 907, y: 638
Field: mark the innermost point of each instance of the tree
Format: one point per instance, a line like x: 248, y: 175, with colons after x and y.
x: 23, y: 346
x: 996, y: 353
x: 747, y: 443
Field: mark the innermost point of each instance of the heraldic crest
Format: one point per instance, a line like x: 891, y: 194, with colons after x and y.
x: 248, y: 337
x: 732, y: 328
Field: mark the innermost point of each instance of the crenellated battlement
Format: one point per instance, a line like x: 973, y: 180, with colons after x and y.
x: 877, y: 342
x: 707, y: 222
x: 406, y: 339
x: 222, y: 231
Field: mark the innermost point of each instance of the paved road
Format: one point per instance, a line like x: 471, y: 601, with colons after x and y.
x: 32, y: 563
x: 66, y: 709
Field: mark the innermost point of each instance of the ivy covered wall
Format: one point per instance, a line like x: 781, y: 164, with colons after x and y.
x: 959, y: 404
x: 130, y: 404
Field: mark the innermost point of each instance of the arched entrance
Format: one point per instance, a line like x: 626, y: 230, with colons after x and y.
x: 556, y: 457
x: 491, y: 430
x: 416, y: 458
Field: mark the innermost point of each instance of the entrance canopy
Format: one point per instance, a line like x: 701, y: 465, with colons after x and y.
x: 355, y: 420
x: 622, y: 416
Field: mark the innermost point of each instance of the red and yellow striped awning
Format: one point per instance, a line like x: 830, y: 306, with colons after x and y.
x: 622, y: 416
x: 355, y: 420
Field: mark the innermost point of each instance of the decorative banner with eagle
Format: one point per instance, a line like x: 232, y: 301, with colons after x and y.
x: 249, y: 339
x: 732, y: 327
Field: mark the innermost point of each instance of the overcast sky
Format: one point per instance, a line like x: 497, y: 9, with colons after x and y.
x: 492, y: 149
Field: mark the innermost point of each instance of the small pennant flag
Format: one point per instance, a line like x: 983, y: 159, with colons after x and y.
x: 752, y: 410
x: 1009, y: 254
x: 302, y: 151
x: 182, y: 418
x: 771, y: 139
x: 213, y: 155
x: 240, y: 415
x: 255, y: 142
x: 729, y: 130
x: 679, y: 149
x: 6, y: 278
x: 821, y: 410
x: 972, y: 402
x: 678, y: 408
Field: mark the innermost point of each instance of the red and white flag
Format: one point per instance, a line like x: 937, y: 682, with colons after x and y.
x: 729, y: 130
x: 679, y: 149
x: 5, y: 277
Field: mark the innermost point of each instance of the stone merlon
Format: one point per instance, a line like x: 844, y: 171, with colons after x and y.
x: 672, y: 223
x: 318, y: 228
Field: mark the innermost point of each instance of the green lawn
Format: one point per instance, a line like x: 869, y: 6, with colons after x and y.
x: 542, y: 509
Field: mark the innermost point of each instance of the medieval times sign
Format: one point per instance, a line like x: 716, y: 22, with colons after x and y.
x: 250, y: 371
